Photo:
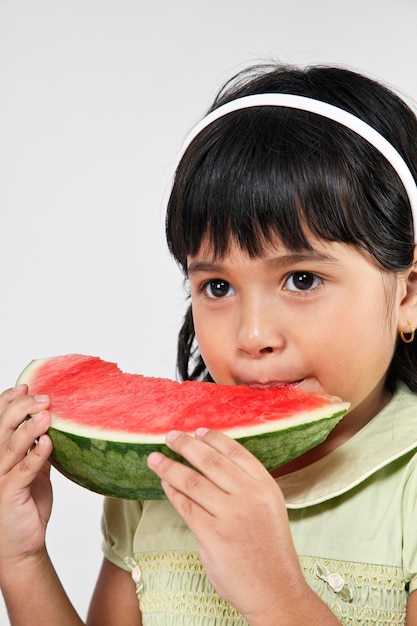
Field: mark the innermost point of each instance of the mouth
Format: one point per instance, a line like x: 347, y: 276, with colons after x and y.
x: 278, y: 384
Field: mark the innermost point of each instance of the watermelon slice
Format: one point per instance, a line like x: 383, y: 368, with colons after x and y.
x: 106, y: 422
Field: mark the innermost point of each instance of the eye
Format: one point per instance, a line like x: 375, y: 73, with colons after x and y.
x: 302, y: 281
x: 218, y: 288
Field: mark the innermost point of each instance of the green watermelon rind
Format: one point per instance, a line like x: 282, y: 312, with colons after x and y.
x: 119, y: 469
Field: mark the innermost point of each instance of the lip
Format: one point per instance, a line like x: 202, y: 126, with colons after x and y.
x: 278, y: 384
x: 309, y: 384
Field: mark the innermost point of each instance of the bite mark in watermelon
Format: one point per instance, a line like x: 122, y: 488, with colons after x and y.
x: 106, y: 422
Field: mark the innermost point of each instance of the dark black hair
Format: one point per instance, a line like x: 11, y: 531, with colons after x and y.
x: 259, y: 172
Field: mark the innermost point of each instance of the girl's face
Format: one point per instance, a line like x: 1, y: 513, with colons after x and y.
x: 324, y: 319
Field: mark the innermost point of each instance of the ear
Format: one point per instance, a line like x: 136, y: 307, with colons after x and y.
x: 408, y: 306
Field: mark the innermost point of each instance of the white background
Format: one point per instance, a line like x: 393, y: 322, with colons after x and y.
x: 96, y: 97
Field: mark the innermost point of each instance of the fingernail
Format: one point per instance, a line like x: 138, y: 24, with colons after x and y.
x: 19, y: 387
x: 41, y: 398
x: 39, y: 417
x: 200, y: 432
x: 155, y: 458
x: 172, y: 435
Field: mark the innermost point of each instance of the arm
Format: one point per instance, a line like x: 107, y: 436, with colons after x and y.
x: 238, y: 515
x: 37, y: 597
x: 114, y: 601
x: 34, y: 594
x: 31, y: 588
x: 412, y: 609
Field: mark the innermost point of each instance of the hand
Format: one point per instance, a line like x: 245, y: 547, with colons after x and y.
x: 25, y: 488
x: 238, y: 515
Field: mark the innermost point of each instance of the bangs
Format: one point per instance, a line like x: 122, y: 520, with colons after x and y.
x: 261, y: 174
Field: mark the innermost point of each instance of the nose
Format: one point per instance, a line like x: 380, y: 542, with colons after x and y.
x: 259, y: 332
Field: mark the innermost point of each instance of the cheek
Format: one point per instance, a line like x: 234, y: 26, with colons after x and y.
x: 214, y: 341
x: 206, y: 333
x: 357, y: 358
x: 210, y: 338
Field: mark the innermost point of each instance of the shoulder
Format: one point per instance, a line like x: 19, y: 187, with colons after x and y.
x: 115, y: 510
x: 119, y: 521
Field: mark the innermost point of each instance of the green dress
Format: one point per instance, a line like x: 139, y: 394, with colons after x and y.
x: 353, y: 517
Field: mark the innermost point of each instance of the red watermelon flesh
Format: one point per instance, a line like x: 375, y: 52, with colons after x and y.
x: 97, y: 394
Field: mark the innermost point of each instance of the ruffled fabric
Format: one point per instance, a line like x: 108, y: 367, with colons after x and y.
x: 174, y: 591
x: 364, y: 594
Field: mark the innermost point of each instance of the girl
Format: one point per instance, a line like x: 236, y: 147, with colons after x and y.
x: 292, y: 221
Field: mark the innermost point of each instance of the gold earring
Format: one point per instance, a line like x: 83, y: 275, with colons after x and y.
x: 408, y: 337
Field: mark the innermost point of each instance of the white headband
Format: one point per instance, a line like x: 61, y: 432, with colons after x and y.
x: 325, y: 110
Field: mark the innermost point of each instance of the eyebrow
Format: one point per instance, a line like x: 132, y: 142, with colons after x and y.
x: 306, y: 256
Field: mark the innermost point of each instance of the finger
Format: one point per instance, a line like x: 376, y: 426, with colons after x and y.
x: 34, y: 461
x: 234, y: 451
x: 14, y: 409
x: 221, y: 459
x: 26, y: 471
x: 216, y: 475
x: 11, y: 394
x: 190, y: 493
x: 181, y: 483
x: 22, y: 439
x: 216, y: 463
